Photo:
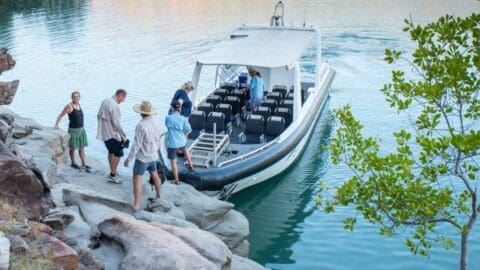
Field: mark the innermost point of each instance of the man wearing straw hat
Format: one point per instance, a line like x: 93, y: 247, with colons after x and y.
x: 145, y: 151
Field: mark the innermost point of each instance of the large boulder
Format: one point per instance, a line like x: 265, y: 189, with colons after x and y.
x: 19, y: 186
x: 4, y: 252
x: 204, y: 211
x: 6, y: 60
x: 8, y: 91
x: 242, y: 263
x: 54, y: 249
x: 149, y: 247
x: 205, y: 243
x: 233, y: 230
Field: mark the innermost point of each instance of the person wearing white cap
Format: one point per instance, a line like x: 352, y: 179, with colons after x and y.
x: 145, y: 151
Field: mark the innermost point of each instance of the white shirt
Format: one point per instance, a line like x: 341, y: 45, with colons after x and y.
x: 147, y: 140
x: 109, y: 121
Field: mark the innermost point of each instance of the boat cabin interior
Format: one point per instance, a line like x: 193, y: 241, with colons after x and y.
x: 224, y: 114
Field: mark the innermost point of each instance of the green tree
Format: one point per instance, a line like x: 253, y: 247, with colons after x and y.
x: 432, y: 176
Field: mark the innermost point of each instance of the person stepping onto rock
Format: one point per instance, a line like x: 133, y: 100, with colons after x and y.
x: 145, y: 151
x: 176, y: 139
x: 78, y: 136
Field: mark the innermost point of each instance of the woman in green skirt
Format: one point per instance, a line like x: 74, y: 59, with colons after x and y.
x: 78, y: 136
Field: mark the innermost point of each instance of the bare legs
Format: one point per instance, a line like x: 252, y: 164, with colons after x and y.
x: 113, y: 162
x: 189, y: 158
x: 137, y: 188
x: 81, y: 153
x: 173, y: 163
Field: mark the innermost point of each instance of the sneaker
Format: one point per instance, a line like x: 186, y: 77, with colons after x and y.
x: 114, y: 179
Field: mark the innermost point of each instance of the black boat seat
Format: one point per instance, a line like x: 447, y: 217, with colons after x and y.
x: 214, y: 100
x: 282, y: 89
x: 205, y: 107
x: 217, y: 118
x: 270, y: 103
x: 226, y: 109
x: 275, y: 126
x: 235, y: 102
x: 263, y: 111
x: 221, y: 92
x: 254, y: 124
x: 286, y: 104
x: 275, y: 96
x: 197, y: 120
x: 241, y: 95
x: 285, y: 113
x: 228, y: 86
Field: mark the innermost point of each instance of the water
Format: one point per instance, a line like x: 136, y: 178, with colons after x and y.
x: 149, y: 49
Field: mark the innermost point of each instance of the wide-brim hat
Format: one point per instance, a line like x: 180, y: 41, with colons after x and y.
x: 144, y: 108
x: 252, y: 70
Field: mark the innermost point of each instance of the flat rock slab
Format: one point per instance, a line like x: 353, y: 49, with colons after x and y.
x: 78, y: 229
x: 58, y: 219
x: 163, y: 218
x: 17, y: 244
x: 4, y: 252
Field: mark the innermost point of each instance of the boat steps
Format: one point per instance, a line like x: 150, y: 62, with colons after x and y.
x: 207, y: 148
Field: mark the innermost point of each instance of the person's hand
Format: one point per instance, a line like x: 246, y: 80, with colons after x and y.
x: 125, y: 163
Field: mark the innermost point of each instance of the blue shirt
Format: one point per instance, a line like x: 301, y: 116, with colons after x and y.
x: 177, y: 126
x: 187, y: 103
x: 256, y: 87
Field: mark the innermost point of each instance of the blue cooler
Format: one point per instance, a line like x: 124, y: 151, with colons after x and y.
x: 242, y: 79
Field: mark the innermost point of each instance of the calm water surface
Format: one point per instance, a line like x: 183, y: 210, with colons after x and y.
x: 149, y: 48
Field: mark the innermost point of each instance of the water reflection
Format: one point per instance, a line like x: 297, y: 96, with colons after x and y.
x: 63, y: 19
x: 277, y: 208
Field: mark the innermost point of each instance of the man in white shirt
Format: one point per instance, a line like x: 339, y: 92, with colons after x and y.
x: 111, y: 132
x: 145, y: 151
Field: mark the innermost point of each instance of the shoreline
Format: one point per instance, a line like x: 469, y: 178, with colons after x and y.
x: 95, y: 207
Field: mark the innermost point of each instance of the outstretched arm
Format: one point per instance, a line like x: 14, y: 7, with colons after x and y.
x: 68, y: 109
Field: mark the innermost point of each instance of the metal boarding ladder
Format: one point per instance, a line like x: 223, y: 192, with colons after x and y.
x: 208, y: 147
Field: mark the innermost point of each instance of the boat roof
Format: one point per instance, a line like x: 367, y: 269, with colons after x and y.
x: 268, y: 47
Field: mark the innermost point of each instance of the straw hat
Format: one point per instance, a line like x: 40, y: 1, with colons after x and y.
x: 252, y: 70
x: 144, y: 108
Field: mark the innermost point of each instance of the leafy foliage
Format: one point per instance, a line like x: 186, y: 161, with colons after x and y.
x: 432, y: 177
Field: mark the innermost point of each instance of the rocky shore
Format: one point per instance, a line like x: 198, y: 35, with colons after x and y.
x: 55, y: 217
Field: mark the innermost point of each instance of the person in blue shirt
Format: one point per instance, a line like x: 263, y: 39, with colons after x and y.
x: 181, y: 95
x: 176, y: 139
x: 256, y: 89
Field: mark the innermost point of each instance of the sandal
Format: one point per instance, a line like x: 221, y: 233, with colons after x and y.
x: 87, y: 168
x: 75, y: 166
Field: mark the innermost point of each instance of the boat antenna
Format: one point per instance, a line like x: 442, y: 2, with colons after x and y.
x: 278, y: 12
x: 305, y: 14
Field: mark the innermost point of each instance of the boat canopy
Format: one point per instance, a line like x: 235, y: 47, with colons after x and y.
x: 261, y: 47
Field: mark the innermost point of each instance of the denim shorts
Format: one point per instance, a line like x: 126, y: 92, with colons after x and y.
x: 139, y: 167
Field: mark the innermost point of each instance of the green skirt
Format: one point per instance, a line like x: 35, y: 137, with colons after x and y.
x: 78, y: 138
